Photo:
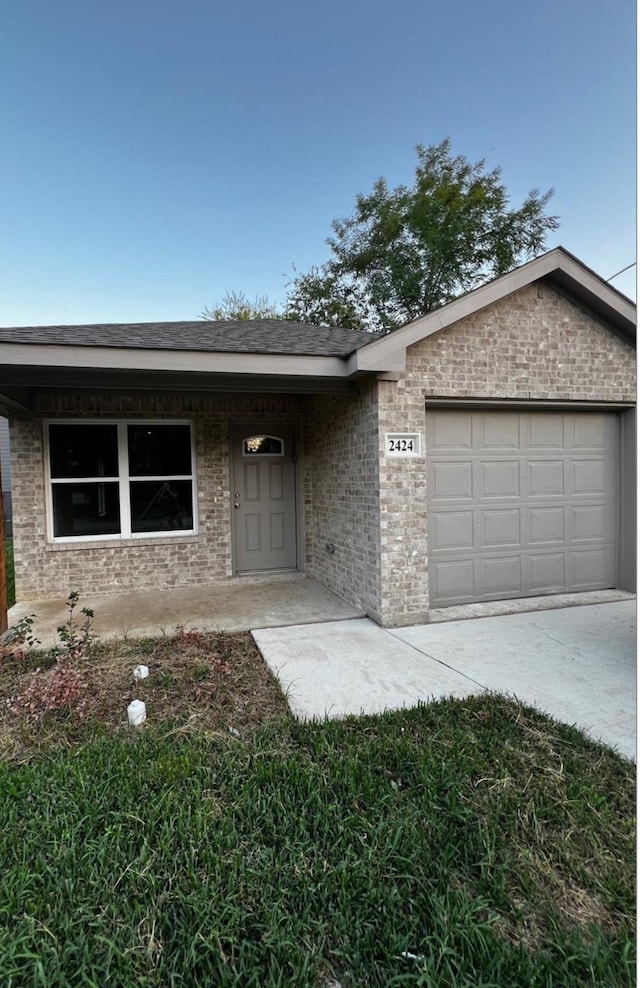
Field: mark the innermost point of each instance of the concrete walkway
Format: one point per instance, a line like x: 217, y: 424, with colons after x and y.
x: 577, y: 664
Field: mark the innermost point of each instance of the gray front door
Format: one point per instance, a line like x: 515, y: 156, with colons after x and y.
x: 263, y: 497
x: 520, y: 503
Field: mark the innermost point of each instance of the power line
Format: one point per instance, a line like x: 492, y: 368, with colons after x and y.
x: 621, y: 272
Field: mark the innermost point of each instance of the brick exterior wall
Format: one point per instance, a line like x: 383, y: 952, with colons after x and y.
x: 536, y: 344
x: 52, y: 570
x: 344, y: 468
x: 403, y: 512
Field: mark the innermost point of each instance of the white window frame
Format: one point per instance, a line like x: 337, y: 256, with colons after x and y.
x: 123, y: 480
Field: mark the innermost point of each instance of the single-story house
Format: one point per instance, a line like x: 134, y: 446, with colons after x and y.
x: 484, y: 451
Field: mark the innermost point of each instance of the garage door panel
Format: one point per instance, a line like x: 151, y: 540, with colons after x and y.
x: 498, y: 432
x: 596, y: 433
x: 545, y: 432
x: 545, y: 478
x: 498, y: 478
x: 540, y: 496
x: 451, y: 431
x: 546, y: 573
x: 591, y: 521
x: 545, y: 525
x: 592, y: 569
x: 452, y: 480
x: 498, y: 576
x: 499, y: 527
x: 452, y: 530
x: 592, y: 477
x: 452, y: 581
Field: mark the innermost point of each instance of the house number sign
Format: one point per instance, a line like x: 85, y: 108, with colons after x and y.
x: 404, y: 444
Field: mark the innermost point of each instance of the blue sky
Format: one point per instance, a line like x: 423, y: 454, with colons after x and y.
x: 157, y: 154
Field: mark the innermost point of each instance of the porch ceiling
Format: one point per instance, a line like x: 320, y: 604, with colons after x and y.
x: 21, y: 384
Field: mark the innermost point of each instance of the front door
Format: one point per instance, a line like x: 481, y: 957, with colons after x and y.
x: 263, y: 497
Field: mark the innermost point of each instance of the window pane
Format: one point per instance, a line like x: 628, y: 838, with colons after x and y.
x: 83, y: 450
x: 85, y: 509
x: 159, y: 450
x: 161, y: 507
x: 263, y: 446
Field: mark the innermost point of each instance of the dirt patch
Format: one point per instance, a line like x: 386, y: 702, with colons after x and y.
x: 197, y: 680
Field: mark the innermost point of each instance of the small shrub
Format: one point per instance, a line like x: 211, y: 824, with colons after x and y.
x: 19, y: 638
x: 59, y: 689
x: 74, y: 640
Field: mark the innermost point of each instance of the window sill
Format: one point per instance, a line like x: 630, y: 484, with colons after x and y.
x: 121, y: 543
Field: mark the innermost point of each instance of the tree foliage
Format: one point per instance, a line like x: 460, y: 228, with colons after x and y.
x: 236, y: 306
x: 407, y: 250
x: 324, y: 298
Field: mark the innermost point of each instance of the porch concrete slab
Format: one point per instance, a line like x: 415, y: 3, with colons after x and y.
x: 234, y: 606
x: 577, y: 664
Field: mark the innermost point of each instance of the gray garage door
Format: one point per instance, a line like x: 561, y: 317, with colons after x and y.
x: 520, y: 503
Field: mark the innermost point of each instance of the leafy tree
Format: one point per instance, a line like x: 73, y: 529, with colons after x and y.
x: 324, y: 298
x: 236, y: 305
x: 407, y: 250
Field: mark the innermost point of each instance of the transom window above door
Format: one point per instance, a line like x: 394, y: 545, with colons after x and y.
x: 263, y: 446
x: 119, y: 479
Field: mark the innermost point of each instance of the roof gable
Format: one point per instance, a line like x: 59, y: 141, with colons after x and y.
x: 560, y: 268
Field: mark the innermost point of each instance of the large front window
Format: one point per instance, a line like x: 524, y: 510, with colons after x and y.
x: 120, y: 479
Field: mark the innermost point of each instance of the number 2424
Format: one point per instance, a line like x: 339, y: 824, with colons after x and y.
x: 401, y: 446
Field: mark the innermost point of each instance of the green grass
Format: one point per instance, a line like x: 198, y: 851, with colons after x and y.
x: 492, y: 844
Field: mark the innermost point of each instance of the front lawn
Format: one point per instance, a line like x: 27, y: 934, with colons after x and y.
x: 466, y: 844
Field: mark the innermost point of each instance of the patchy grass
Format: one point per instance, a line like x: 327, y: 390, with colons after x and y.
x: 197, y: 681
x: 465, y: 844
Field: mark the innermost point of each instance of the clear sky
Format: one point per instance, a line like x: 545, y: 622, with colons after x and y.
x: 157, y: 153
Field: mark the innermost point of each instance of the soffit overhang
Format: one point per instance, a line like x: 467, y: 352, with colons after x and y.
x: 27, y: 370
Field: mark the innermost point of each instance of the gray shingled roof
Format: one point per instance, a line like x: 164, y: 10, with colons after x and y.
x: 273, y: 336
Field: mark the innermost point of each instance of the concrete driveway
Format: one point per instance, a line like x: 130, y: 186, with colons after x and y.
x: 577, y: 664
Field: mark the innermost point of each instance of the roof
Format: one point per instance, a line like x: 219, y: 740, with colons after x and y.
x: 265, y: 355
x: 268, y: 336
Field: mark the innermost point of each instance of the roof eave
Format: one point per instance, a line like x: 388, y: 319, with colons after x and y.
x: 184, y: 361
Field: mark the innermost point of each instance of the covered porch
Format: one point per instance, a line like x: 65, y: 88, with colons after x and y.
x: 241, y: 604
x: 93, y: 409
